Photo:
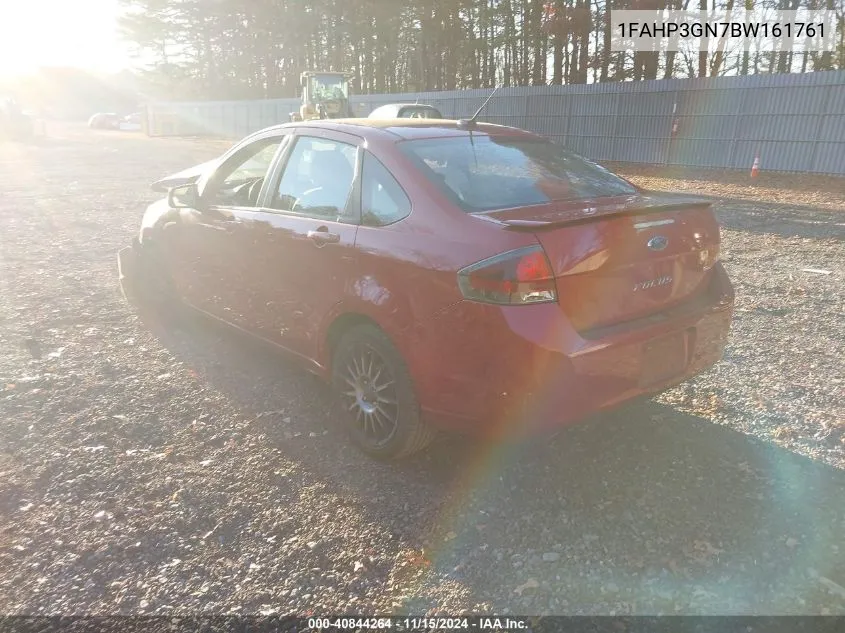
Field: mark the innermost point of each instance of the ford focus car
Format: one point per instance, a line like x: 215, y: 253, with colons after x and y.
x: 474, y: 278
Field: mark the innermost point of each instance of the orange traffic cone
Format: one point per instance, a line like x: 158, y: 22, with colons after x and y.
x: 755, y: 168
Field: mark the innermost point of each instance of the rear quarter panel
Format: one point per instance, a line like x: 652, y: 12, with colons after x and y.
x: 407, y: 272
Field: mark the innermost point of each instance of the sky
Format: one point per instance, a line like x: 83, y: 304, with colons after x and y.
x: 79, y: 33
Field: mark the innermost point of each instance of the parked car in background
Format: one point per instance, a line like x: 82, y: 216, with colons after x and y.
x: 131, y: 123
x: 441, y: 274
x: 405, y: 111
x: 104, y: 121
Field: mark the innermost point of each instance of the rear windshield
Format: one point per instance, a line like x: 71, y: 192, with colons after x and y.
x: 489, y: 173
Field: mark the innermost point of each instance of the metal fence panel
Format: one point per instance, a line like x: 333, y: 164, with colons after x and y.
x: 597, y: 148
x: 701, y: 153
x: 833, y: 128
x: 832, y: 156
x: 794, y: 122
x: 790, y: 127
x: 803, y: 100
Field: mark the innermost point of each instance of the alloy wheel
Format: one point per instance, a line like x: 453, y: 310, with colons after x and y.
x: 370, y: 395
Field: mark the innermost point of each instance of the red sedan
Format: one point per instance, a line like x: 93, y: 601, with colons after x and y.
x: 442, y: 275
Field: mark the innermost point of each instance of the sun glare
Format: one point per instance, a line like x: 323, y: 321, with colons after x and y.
x: 83, y: 34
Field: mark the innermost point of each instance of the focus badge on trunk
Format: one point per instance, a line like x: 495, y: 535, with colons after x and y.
x: 658, y: 243
x: 653, y: 283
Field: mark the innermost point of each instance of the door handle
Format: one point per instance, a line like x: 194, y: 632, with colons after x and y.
x: 322, y: 236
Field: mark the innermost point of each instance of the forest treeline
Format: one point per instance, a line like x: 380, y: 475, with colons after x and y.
x: 213, y: 49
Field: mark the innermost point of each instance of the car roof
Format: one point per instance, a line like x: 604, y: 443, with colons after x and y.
x: 409, y: 128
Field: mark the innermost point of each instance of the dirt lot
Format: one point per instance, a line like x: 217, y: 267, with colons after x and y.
x: 145, y: 470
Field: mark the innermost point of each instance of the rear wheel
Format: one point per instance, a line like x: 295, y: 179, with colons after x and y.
x: 376, y: 393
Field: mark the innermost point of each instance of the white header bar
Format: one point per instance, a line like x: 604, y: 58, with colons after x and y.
x: 760, y: 30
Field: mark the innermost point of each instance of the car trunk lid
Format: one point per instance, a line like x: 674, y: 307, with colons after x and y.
x: 622, y: 258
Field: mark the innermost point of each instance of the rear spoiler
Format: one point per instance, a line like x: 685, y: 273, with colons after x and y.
x: 662, y: 203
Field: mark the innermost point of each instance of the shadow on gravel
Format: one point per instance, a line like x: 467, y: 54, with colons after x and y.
x: 643, y: 510
x: 785, y: 220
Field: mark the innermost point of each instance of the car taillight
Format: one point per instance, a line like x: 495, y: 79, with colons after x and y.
x: 708, y: 257
x: 518, y: 277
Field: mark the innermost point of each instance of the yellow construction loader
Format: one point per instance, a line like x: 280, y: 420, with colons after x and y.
x: 325, y: 95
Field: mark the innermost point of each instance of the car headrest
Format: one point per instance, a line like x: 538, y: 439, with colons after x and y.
x: 335, y: 164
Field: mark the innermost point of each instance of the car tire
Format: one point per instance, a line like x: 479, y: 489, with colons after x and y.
x: 376, y: 395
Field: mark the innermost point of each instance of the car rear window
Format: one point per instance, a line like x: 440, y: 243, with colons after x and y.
x: 486, y: 173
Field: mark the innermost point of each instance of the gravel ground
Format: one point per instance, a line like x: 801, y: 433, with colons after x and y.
x: 782, y: 377
x: 151, y: 470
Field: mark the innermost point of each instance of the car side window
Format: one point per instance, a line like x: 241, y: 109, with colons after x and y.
x: 383, y: 201
x: 237, y: 182
x: 318, y: 179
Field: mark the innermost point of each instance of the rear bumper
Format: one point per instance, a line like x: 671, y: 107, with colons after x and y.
x: 489, y: 370
x: 128, y: 268
x: 607, y: 376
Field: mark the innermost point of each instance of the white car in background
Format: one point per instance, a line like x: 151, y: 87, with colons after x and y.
x: 104, y: 121
x: 131, y: 123
x: 405, y: 111
x: 112, y: 121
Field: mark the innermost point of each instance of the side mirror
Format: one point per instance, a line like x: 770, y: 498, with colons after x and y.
x: 183, y: 197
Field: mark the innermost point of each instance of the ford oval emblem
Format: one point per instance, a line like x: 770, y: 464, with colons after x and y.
x: 658, y: 243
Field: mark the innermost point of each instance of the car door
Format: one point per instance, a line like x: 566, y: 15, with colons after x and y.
x: 306, y: 237
x: 209, y: 258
